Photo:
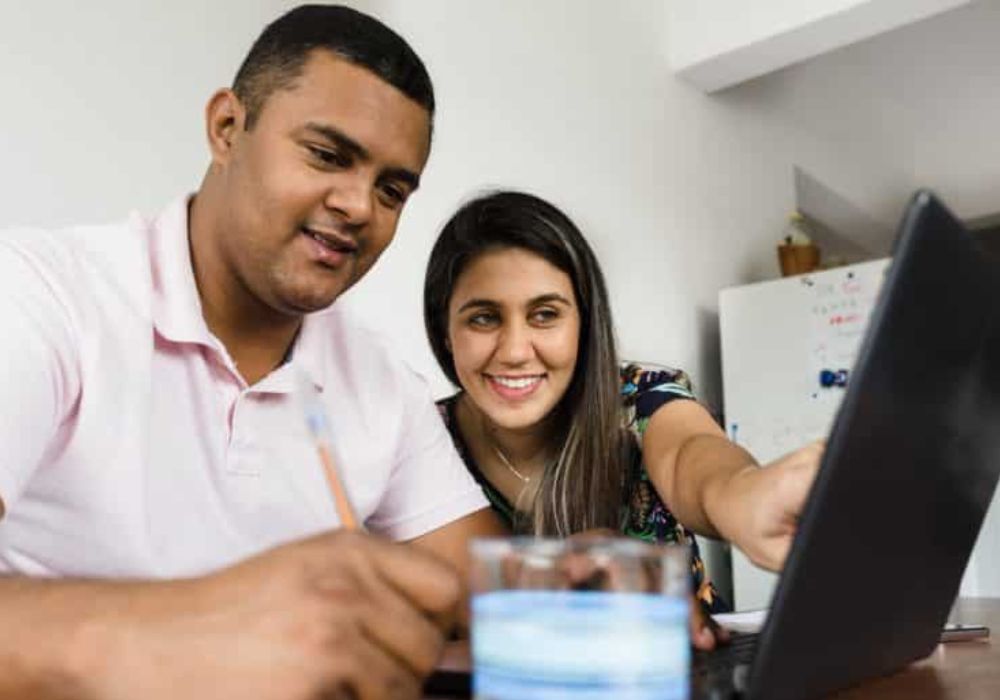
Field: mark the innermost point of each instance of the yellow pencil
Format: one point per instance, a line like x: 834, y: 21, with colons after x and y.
x: 319, y: 428
x: 348, y: 519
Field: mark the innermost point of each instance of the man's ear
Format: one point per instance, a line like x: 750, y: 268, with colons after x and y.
x: 224, y: 120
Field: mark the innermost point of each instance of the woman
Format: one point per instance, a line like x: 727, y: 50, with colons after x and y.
x: 560, y: 437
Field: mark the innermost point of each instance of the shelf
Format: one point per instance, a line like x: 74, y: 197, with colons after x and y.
x: 715, y: 44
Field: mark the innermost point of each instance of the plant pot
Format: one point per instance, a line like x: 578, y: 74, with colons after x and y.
x: 797, y: 259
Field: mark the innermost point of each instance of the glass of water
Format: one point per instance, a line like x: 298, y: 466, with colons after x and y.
x: 580, y: 619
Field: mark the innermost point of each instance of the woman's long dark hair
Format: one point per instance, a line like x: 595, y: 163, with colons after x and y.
x: 583, y: 487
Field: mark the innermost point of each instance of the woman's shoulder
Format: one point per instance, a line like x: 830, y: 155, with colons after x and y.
x: 639, y: 377
x: 646, y: 387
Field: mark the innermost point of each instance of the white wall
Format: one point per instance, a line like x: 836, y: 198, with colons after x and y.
x: 945, y: 75
x: 680, y: 193
x: 927, y: 95
x: 102, y: 102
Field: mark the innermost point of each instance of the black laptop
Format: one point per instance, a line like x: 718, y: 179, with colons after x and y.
x: 908, y: 473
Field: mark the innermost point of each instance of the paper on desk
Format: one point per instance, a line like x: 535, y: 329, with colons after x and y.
x: 743, y: 621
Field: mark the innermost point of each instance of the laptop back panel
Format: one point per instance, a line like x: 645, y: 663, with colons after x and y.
x: 908, y: 474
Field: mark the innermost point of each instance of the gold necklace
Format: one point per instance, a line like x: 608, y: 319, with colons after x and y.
x: 511, y: 467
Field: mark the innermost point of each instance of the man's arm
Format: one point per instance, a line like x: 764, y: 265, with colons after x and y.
x: 38, y: 359
x: 301, y: 621
x: 717, y: 489
x: 451, y: 542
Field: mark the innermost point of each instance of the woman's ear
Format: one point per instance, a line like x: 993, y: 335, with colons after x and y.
x: 224, y: 120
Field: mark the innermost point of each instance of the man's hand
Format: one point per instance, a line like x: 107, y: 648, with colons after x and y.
x: 338, y: 615
x: 758, y: 509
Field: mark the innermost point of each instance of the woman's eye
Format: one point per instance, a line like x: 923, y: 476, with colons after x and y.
x: 545, y: 315
x: 483, y: 320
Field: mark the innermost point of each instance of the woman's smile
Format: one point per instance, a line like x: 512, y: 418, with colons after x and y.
x: 514, y: 388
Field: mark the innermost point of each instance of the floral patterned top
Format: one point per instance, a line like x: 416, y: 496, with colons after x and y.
x: 645, y: 516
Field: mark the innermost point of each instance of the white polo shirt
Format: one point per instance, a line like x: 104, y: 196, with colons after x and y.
x: 130, y: 446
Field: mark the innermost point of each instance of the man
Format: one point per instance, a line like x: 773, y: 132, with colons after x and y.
x: 151, y: 433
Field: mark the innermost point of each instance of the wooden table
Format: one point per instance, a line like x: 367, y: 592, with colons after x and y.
x: 955, y: 671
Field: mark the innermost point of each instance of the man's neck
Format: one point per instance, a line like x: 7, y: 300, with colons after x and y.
x: 257, y: 338
x: 256, y: 350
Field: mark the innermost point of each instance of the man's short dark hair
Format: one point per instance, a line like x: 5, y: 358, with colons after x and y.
x: 278, y: 56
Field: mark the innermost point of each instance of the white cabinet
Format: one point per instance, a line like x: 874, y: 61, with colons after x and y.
x: 718, y: 43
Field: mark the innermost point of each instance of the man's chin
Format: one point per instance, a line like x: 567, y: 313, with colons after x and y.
x: 301, y: 304
x: 301, y: 307
x: 306, y: 299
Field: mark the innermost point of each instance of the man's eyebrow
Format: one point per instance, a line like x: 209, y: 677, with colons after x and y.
x: 340, y: 139
x: 344, y: 142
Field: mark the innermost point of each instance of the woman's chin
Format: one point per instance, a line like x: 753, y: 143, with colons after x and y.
x: 518, y: 417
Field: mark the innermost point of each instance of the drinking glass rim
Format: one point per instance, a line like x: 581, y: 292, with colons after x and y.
x: 551, y: 547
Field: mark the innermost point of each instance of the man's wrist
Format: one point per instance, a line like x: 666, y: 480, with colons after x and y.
x: 93, y: 643
x: 48, y: 650
x: 115, y: 648
x: 74, y: 637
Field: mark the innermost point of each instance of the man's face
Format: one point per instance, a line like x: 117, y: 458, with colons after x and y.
x: 315, y: 189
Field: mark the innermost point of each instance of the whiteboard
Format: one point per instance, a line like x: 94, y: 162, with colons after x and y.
x: 777, y: 337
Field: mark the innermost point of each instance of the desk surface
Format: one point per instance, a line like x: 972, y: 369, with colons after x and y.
x: 955, y: 671
x: 959, y: 670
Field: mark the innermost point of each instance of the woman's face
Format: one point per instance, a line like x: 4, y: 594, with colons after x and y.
x: 514, y: 332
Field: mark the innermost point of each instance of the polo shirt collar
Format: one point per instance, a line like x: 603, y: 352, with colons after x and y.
x: 177, y: 310
x: 308, y: 351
